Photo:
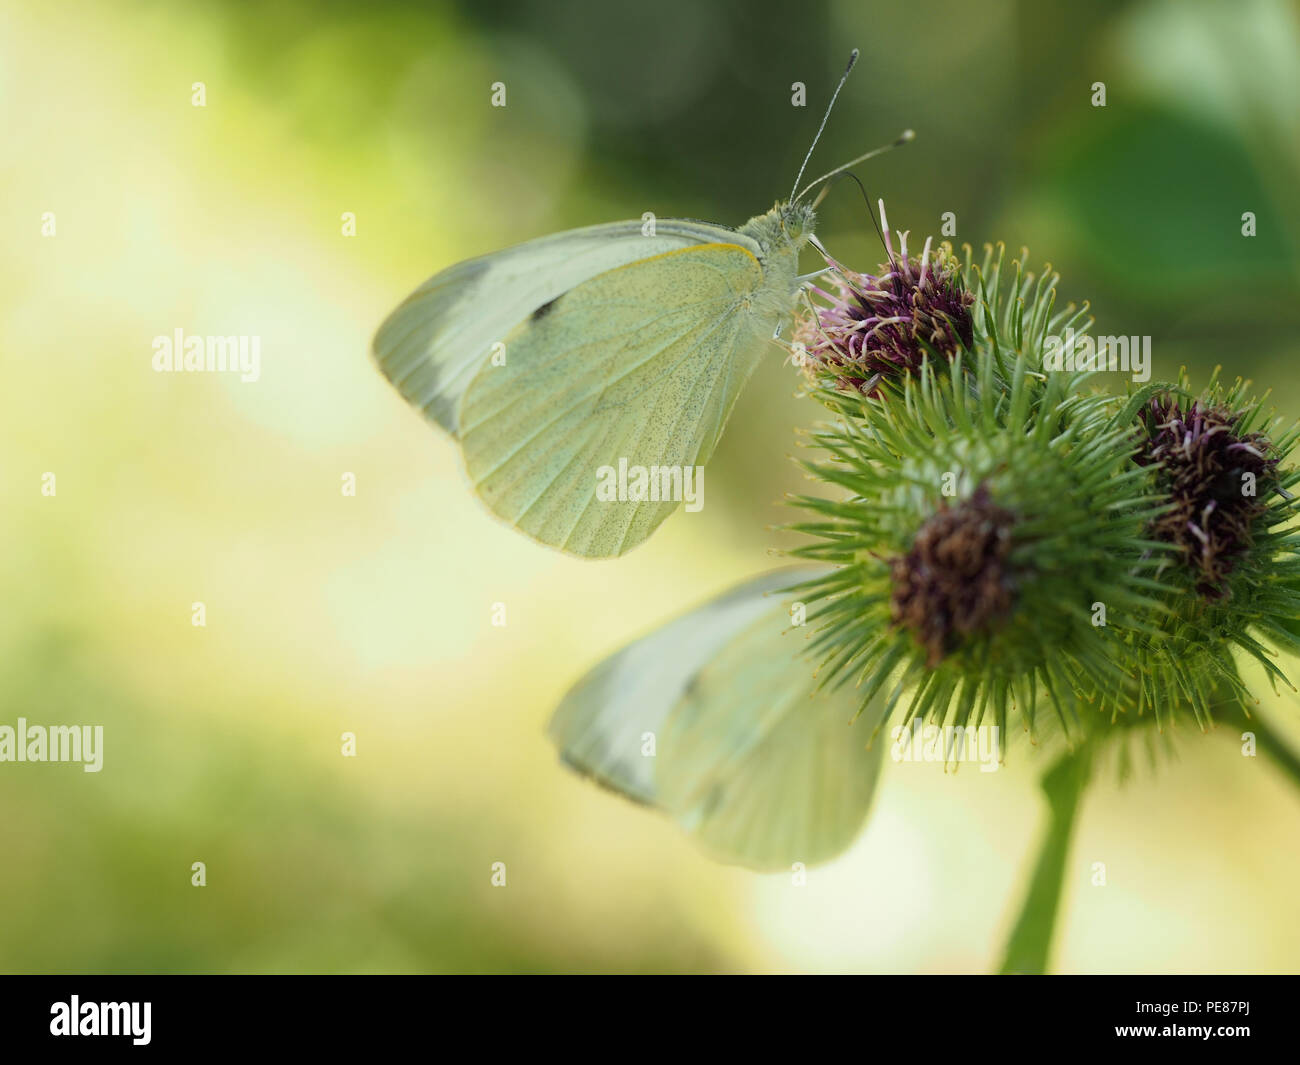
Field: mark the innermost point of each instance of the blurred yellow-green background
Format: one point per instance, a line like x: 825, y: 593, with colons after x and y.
x: 329, y: 613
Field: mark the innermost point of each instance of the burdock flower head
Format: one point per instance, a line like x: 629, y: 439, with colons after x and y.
x: 873, y: 328
x: 954, y: 581
x: 1227, y: 522
x: 1217, y: 475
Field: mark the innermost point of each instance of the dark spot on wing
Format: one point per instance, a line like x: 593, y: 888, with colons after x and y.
x: 543, y: 310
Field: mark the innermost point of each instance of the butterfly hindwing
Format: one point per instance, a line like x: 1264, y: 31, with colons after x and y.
x: 636, y: 368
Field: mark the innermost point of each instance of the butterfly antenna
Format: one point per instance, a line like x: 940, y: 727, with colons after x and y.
x: 870, y: 212
x: 902, y: 139
x: 853, y: 58
x: 884, y: 241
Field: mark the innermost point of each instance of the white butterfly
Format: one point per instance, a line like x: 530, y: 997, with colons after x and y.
x: 620, y: 344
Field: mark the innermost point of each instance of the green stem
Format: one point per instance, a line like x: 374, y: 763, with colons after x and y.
x: 1030, y: 942
x: 1274, y: 745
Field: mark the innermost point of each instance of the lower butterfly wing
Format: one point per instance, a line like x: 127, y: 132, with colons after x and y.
x: 714, y: 720
x: 606, y: 719
x: 431, y: 346
x: 762, y: 768
x: 612, y: 396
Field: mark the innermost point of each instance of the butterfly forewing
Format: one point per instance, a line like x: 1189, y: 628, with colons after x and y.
x: 431, y: 346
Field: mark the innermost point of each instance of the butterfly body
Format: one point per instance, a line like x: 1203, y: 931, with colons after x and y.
x: 781, y: 233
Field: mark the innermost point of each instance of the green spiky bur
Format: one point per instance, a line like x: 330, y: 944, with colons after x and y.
x: 1058, y: 454
x: 1077, y: 539
x: 1049, y: 487
x: 1202, y: 629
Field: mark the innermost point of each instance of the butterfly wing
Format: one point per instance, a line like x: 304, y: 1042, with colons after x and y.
x: 637, y: 367
x: 762, y: 770
x: 600, y: 724
x: 431, y: 346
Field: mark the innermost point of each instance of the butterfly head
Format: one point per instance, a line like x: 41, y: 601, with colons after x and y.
x: 785, y: 228
x: 797, y: 222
